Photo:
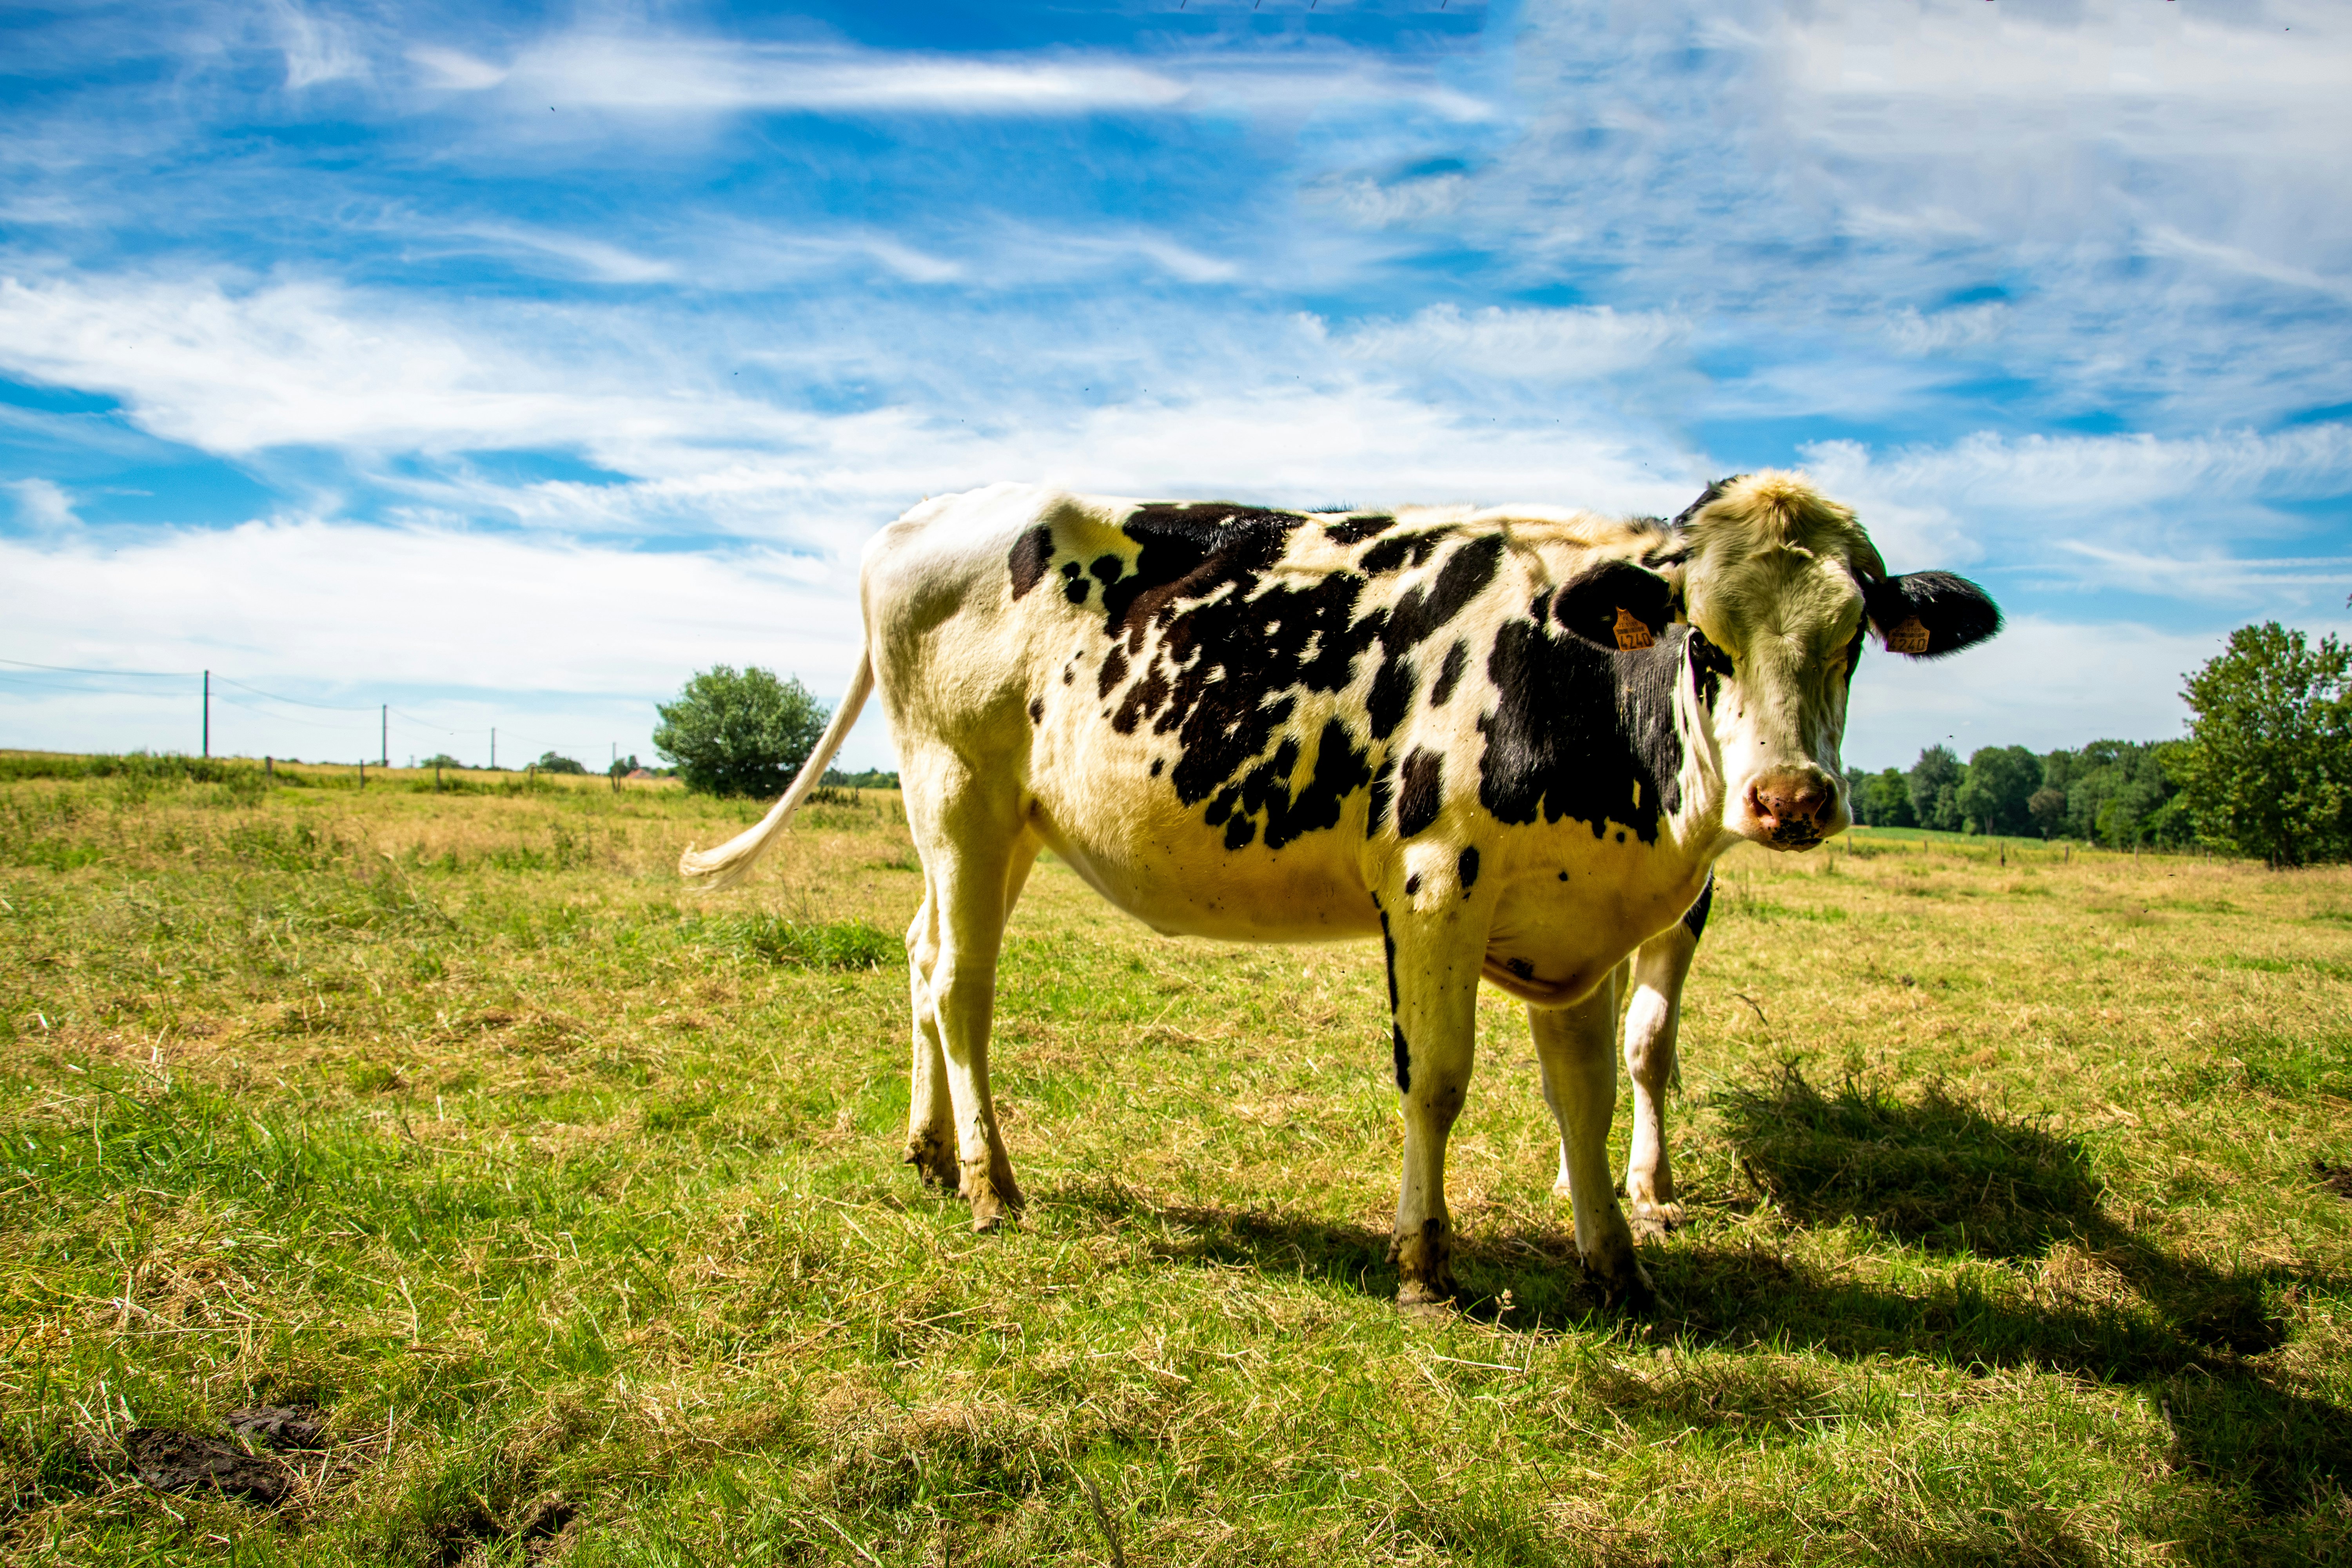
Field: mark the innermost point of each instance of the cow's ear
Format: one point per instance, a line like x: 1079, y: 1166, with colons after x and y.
x: 1617, y: 605
x: 1929, y: 614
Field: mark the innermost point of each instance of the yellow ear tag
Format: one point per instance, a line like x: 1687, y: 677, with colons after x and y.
x: 1909, y: 637
x: 1631, y: 633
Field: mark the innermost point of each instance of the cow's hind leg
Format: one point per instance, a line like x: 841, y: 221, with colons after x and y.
x: 1651, y: 1018
x: 968, y: 847
x: 930, y: 1111
x: 932, y: 1141
x: 1576, y: 1047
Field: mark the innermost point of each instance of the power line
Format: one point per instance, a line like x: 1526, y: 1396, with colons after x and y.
x: 297, y: 701
x: 71, y: 669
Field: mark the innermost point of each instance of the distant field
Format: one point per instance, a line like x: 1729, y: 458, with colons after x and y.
x: 2021, y: 1201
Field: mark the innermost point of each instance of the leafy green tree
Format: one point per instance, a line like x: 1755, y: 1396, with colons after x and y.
x: 1994, y: 793
x: 549, y: 762
x: 740, y: 733
x: 2267, y: 767
x: 623, y: 766
x: 1934, y: 787
x: 438, y: 760
x: 1883, y: 800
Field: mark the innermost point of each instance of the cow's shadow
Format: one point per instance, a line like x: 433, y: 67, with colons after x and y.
x: 1950, y: 1179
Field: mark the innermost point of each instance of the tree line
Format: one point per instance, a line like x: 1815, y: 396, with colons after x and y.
x: 2265, y: 771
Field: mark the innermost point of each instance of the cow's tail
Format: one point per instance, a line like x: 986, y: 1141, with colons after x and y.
x: 712, y: 870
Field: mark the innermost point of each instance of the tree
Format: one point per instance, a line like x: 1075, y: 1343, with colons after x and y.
x: 1934, y: 787
x: 1994, y: 793
x: 2267, y: 767
x: 438, y: 760
x: 1883, y: 800
x: 744, y: 733
x: 623, y: 766
x: 549, y: 762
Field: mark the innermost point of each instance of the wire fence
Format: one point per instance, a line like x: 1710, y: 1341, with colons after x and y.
x: 343, y: 731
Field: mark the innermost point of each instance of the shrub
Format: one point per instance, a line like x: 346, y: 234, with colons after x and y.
x: 743, y: 732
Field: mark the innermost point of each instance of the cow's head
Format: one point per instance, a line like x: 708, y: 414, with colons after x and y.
x: 1781, y: 583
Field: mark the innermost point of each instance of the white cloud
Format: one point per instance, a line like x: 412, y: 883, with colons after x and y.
x: 1577, y: 343
x: 457, y: 70
x: 43, y: 506
x: 564, y: 643
x: 1375, y: 205
x: 1968, y: 326
x: 319, y: 46
x: 658, y: 72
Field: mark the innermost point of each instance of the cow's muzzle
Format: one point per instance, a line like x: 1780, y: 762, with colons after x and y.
x: 1793, y: 809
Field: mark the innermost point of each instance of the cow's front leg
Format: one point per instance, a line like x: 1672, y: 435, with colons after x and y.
x: 1432, y: 962
x: 1576, y: 1047
x: 1651, y: 1018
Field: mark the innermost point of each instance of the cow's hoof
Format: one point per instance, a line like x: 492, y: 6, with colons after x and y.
x: 1630, y: 1291
x: 1651, y: 1222
x: 935, y: 1166
x: 993, y: 1202
x: 1426, y: 1297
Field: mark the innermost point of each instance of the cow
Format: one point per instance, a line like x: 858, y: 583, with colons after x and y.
x: 1509, y: 743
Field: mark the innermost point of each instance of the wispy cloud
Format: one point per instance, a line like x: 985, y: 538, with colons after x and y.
x: 42, y: 505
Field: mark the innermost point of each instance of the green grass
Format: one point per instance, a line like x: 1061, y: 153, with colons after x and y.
x: 572, y: 1203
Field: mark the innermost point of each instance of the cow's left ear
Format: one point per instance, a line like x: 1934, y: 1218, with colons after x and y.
x: 1929, y: 614
x: 1618, y: 605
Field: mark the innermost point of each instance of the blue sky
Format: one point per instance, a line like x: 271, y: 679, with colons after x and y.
x: 508, y: 365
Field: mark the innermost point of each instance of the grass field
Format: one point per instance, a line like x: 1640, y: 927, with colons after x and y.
x: 571, y: 1205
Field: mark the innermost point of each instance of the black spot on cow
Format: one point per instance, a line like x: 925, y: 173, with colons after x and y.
x: 1582, y: 731
x: 1354, y: 530
x: 1419, y: 795
x: 1114, y: 670
x: 1395, y: 552
x: 1620, y: 835
x: 1457, y: 658
x: 1694, y: 917
x: 1075, y: 586
x: 1223, y: 645
x: 1036, y: 710
x: 1403, y: 1055
x: 1710, y: 667
x: 1412, y: 884
x: 1465, y: 866
x: 1387, y: 949
x: 1520, y: 967
x: 1563, y: 876
x: 1030, y: 551
x: 1239, y: 831
x: 1391, y: 695
x: 1106, y: 569
x: 1157, y: 764
x: 1069, y: 674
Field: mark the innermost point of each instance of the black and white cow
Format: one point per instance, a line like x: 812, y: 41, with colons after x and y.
x: 1510, y: 744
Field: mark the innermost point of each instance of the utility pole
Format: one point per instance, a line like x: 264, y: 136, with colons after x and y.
x: 385, y: 739
x: 208, y: 713
x: 494, y: 748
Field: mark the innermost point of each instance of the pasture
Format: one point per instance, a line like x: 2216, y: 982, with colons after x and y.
x: 2020, y: 1187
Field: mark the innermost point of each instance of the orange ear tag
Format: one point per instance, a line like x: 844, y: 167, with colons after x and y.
x: 1631, y: 633
x: 1909, y: 637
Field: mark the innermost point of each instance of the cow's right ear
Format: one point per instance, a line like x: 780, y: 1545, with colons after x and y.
x: 1618, y: 607
x: 1927, y: 615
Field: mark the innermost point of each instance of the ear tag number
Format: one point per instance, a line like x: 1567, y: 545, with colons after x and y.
x: 1911, y: 637
x: 1631, y: 634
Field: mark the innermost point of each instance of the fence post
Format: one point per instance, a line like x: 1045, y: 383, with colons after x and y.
x: 269, y: 768
x: 363, y: 772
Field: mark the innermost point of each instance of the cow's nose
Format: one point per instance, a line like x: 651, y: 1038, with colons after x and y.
x: 1792, y: 804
